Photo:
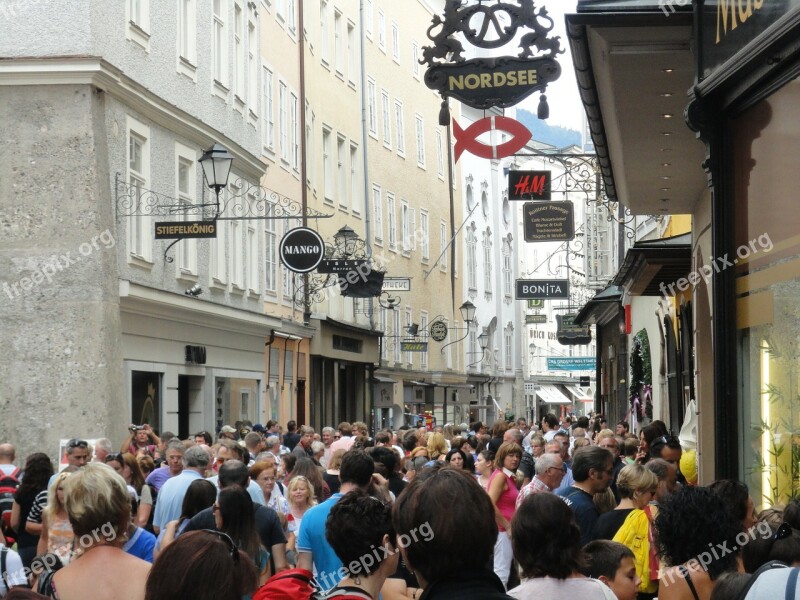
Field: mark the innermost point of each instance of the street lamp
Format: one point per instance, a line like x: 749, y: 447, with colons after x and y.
x: 216, y: 163
x: 345, y: 240
x: 483, y: 341
x: 467, y: 312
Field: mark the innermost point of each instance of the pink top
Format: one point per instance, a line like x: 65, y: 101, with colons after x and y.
x: 507, y: 502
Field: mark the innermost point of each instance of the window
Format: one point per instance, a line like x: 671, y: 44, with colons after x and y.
x: 415, y: 59
x: 220, y: 51
x: 269, y: 111
x: 396, y: 42
x: 290, y: 17
x: 396, y: 332
x: 324, y: 35
x: 271, y: 251
x: 338, y: 48
x: 439, y: 154
x: 294, y: 129
x: 381, y: 30
x: 443, y: 241
x: 487, y: 262
x: 219, y: 265
x: 390, y: 208
x: 448, y: 357
x: 310, y: 149
x: 508, y: 343
x: 186, y: 188
x: 140, y: 244
x: 253, y: 264
x: 420, y: 129
x: 355, y: 179
x: 368, y: 18
x: 341, y: 170
x: 138, y: 29
x: 382, y: 321
x: 238, y: 51
x: 187, y: 31
x: 398, y: 125
x: 372, y: 108
x: 405, y: 225
x: 423, y: 223
x: 327, y: 165
x: 377, y: 214
x: 352, y: 48
x: 283, y: 121
x: 507, y: 269
x: 237, y: 264
x: 473, y: 351
x: 472, y: 259
x: 423, y: 329
x: 387, y: 119
x: 252, y: 66
x: 409, y: 355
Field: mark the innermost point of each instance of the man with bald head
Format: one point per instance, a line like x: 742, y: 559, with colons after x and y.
x: 7, y: 456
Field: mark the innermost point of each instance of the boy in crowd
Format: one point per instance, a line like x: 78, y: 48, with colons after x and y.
x: 612, y: 563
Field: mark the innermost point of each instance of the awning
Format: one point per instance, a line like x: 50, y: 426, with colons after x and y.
x: 550, y: 394
x: 420, y: 383
x: 652, y: 267
x: 579, y: 394
x: 380, y: 379
x: 605, y: 306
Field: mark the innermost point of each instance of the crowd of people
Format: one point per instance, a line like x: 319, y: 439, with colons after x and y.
x: 568, y: 508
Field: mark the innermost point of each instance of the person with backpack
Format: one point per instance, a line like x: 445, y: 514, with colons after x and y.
x: 12, y: 573
x: 9, y: 482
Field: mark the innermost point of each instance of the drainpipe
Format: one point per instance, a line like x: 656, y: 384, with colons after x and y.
x: 364, y: 154
x: 301, y: 46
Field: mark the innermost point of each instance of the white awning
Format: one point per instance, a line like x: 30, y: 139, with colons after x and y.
x: 550, y: 394
x: 579, y: 394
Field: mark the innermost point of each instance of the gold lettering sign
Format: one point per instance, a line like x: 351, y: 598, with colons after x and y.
x: 732, y: 13
x: 498, y: 79
x: 186, y: 229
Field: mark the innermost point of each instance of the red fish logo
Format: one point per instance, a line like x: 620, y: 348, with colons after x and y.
x: 467, y: 139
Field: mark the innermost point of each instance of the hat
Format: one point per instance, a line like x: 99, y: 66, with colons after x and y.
x: 227, y: 429
x: 259, y: 428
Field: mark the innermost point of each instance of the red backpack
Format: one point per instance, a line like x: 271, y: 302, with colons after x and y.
x: 8, y: 487
x: 295, y: 584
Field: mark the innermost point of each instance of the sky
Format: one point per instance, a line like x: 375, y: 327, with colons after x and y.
x: 566, y: 109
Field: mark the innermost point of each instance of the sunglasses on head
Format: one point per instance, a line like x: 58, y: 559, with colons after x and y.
x: 116, y: 457
x: 76, y: 443
x: 232, y: 549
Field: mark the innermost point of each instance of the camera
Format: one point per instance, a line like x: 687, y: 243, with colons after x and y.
x: 135, y: 428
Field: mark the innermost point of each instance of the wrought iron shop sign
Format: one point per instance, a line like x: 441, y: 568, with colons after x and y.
x: 396, y: 284
x: 535, y: 319
x: 413, y: 346
x: 546, y: 289
x: 301, y: 250
x: 548, y: 221
x: 180, y: 230
x: 529, y: 185
x: 438, y: 331
x: 498, y: 81
x: 571, y: 334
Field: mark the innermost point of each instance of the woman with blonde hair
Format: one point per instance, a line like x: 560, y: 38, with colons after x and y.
x: 57, y: 534
x: 300, y: 493
x: 636, y: 486
x: 98, y: 506
x: 437, y: 447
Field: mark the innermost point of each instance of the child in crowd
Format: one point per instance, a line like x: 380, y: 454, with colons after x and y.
x: 612, y: 563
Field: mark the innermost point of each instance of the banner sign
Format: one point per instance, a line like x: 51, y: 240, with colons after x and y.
x: 548, y: 221
x: 535, y: 319
x: 529, y: 185
x: 546, y: 289
x: 181, y: 230
x: 570, y: 334
x: 571, y: 363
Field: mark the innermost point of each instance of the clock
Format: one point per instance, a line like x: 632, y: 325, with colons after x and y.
x: 438, y: 331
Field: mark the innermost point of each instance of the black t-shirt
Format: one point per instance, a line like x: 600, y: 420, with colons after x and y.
x: 25, y: 501
x: 609, y: 523
x: 396, y: 484
x: 527, y: 465
x: 586, y: 513
x: 267, y: 523
x: 290, y: 440
x: 333, y: 481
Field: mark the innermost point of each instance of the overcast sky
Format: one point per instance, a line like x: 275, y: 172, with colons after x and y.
x: 562, y: 96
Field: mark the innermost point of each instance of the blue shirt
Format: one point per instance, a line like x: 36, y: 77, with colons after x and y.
x: 255, y: 491
x: 328, y: 567
x: 141, y: 545
x: 586, y: 513
x: 170, y: 497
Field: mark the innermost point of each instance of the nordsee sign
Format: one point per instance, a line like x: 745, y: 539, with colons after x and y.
x: 547, y: 289
x: 301, y: 250
x: 571, y: 363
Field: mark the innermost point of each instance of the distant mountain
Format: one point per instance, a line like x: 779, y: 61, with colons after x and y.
x: 561, y: 137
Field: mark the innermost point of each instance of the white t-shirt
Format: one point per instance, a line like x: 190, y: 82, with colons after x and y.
x: 8, y: 469
x: 14, y: 572
x: 573, y: 587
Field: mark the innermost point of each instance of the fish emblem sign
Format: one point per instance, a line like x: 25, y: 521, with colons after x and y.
x: 497, y: 81
x: 467, y: 139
